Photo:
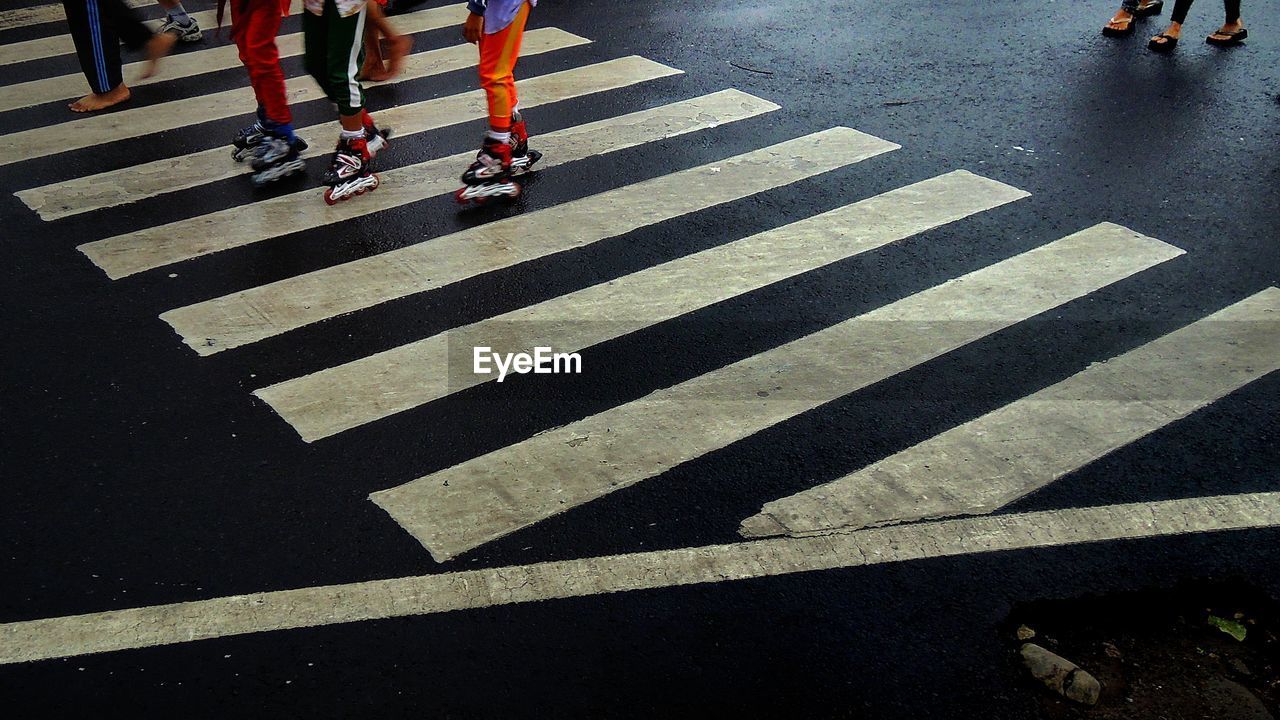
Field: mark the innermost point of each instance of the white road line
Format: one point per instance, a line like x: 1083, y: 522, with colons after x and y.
x: 358, y: 392
x: 235, y: 227
x: 157, y: 625
x: 268, y: 310
x: 136, y: 122
x: 127, y: 185
x: 985, y: 464
x: 462, y: 507
x: 37, y: 14
x: 55, y: 45
x: 190, y: 64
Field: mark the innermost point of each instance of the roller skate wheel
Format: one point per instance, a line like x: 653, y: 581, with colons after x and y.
x: 376, y: 181
x: 328, y: 197
x: 458, y: 196
x: 515, y: 191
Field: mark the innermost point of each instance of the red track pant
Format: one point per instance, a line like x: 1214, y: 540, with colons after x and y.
x: 254, y: 24
x: 498, y: 55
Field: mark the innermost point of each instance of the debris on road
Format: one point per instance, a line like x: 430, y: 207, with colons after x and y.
x: 1061, y: 675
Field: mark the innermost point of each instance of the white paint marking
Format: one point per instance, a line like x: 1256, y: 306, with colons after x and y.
x: 346, y: 396
x: 987, y: 463
x: 261, y: 312
x: 460, y: 508
x: 157, y: 625
x: 135, y: 122
x: 236, y: 227
x: 191, y: 64
x: 127, y: 185
x: 55, y: 45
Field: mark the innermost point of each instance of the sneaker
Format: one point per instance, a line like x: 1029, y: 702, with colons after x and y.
x: 186, y: 33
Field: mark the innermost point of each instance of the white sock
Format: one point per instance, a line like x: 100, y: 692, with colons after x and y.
x: 352, y: 134
x: 178, y: 14
x: 499, y: 136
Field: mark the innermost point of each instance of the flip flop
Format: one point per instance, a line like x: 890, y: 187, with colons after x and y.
x: 1154, y: 8
x: 1231, y: 38
x: 1170, y: 42
x: 1126, y: 31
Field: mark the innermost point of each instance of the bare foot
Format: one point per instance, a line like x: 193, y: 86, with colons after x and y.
x: 158, y: 46
x: 376, y: 75
x: 100, y: 101
x: 397, y: 50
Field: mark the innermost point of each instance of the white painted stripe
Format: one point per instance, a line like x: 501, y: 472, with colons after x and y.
x: 269, y: 310
x: 235, y: 227
x: 985, y: 464
x: 157, y: 625
x: 467, y: 505
x: 346, y: 396
x: 136, y: 122
x: 37, y: 14
x: 190, y: 64
x: 126, y: 185
x: 54, y: 45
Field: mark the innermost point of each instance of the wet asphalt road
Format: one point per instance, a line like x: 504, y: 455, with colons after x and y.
x: 136, y: 473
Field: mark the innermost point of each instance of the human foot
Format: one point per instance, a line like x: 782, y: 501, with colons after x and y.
x: 1120, y: 24
x: 1229, y: 34
x: 158, y: 46
x: 397, y: 50
x: 1167, y: 40
x: 100, y: 101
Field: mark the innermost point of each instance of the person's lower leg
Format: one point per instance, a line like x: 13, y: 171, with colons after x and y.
x: 1233, y: 11
x: 1180, y: 10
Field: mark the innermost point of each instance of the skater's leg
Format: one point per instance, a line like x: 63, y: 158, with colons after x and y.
x: 499, y: 52
x: 98, y: 49
x: 334, y: 52
x: 255, y: 28
x: 346, y: 55
x: 350, y: 173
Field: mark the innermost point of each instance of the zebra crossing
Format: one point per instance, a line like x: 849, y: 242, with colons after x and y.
x: 976, y: 468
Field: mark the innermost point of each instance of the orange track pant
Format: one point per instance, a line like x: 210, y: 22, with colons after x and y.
x: 498, y: 55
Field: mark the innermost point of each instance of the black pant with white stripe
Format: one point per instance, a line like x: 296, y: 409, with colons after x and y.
x: 98, y: 27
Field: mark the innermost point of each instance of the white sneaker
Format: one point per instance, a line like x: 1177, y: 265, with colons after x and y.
x: 186, y: 33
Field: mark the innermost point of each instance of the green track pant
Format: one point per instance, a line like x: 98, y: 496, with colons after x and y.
x: 334, y: 54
